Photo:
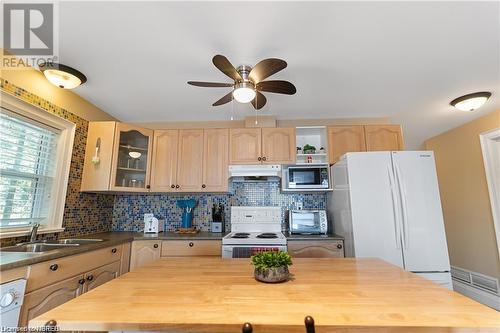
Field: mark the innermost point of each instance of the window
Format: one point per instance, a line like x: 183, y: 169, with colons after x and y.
x: 35, y: 152
x: 26, y: 170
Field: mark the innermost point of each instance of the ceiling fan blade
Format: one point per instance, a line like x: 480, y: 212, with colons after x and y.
x: 278, y: 87
x: 226, y: 99
x: 226, y: 67
x: 259, y: 101
x: 266, y: 68
x: 210, y: 84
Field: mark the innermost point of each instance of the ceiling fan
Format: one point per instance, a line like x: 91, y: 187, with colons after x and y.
x: 249, y: 82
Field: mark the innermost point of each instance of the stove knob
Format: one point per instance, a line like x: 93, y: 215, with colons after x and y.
x: 7, y: 299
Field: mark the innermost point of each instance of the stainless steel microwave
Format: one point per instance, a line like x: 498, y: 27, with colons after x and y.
x: 314, y: 177
x: 308, y: 222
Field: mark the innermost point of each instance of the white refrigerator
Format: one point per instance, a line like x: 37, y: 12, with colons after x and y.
x: 387, y: 205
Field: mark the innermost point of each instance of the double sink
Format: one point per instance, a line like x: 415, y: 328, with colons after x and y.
x: 45, y: 246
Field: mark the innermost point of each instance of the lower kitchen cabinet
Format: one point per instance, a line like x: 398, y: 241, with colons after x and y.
x: 47, y: 298
x: 187, y: 248
x: 144, y: 252
x: 101, y: 275
x: 54, y: 282
x: 316, y: 248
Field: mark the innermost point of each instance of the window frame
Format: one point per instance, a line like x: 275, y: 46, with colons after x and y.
x: 64, y: 152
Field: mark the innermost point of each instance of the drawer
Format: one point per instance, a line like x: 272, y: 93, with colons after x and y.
x: 316, y: 249
x: 49, y: 272
x: 181, y: 248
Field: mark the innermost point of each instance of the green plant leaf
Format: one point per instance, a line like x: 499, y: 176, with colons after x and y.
x: 271, y: 259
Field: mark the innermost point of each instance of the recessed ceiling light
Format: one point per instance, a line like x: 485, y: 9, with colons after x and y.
x: 62, y: 76
x: 471, y: 102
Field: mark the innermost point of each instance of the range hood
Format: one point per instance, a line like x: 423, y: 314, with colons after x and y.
x: 255, y: 172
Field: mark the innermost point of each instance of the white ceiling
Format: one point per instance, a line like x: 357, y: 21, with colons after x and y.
x: 403, y: 60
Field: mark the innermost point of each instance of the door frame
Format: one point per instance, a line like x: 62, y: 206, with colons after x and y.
x: 488, y: 139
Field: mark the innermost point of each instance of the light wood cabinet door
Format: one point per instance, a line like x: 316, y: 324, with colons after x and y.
x: 131, y: 167
x: 278, y: 146
x: 47, y: 298
x: 190, y: 160
x: 215, y: 160
x: 245, y: 145
x: 101, y: 275
x: 316, y: 249
x: 164, y: 164
x: 144, y: 252
x: 345, y: 139
x: 383, y: 137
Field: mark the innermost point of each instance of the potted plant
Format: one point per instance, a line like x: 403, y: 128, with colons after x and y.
x: 271, y: 267
x: 308, y: 149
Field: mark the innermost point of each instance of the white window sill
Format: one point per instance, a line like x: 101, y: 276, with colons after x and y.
x: 26, y: 231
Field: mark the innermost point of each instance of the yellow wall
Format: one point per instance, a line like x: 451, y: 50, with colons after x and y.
x: 34, y: 81
x: 464, y: 194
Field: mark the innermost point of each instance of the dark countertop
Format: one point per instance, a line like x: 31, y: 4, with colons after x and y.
x: 10, y: 260
x: 313, y: 237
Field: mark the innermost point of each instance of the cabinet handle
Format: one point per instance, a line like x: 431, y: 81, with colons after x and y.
x: 113, y: 250
x: 339, y: 246
x: 259, y: 158
x: 54, y: 267
x: 264, y: 158
x: 90, y: 277
x: 155, y: 246
x: 81, y: 281
x: 203, y: 186
x: 172, y: 186
x: 177, y: 186
x: 191, y: 244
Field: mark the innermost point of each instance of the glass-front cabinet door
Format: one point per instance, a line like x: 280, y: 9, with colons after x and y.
x: 132, y: 158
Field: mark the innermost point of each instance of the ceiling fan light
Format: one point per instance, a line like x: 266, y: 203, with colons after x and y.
x: 244, y: 92
x: 471, y: 102
x: 62, y: 76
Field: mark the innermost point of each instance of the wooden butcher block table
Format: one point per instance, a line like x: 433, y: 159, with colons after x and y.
x: 220, y: 295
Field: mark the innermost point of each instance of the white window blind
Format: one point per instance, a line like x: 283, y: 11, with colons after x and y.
x: 28, y: 154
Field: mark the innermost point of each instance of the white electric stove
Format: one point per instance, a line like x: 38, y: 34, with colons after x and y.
x: 253, y: 230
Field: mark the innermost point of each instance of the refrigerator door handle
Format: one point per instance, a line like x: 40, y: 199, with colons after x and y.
x: 402, y: 194
x: 397, y: 231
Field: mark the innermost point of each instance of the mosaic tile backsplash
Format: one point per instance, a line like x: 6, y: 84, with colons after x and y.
x: 84, y: 213
x: 129, y: 210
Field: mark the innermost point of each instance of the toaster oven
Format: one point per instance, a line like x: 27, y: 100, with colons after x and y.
x: 308, y: 222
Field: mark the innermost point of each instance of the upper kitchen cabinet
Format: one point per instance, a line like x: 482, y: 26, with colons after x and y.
x: 278, y: 145
x: 132, y: 158
x: 344, y: 139
x: 164, y: 164
x: 215, y: 160
x: 383, y: 137
x: 245, y: 145
x: 266, y: 145
x: 190, y: 160
x: 117, y: 158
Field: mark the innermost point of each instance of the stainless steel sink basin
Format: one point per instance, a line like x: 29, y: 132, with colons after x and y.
x: 79, y: 241
x: 36, y: 247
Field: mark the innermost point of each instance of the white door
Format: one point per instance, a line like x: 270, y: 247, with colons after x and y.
x: 424, y: 239
x: 374, y: 212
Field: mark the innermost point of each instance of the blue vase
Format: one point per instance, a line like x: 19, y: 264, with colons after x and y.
x: 187, y: 219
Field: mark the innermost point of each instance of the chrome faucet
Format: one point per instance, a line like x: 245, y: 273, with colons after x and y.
x: 33, y: 232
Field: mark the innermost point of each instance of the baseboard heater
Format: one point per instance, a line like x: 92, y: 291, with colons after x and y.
x: 482, y: 288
